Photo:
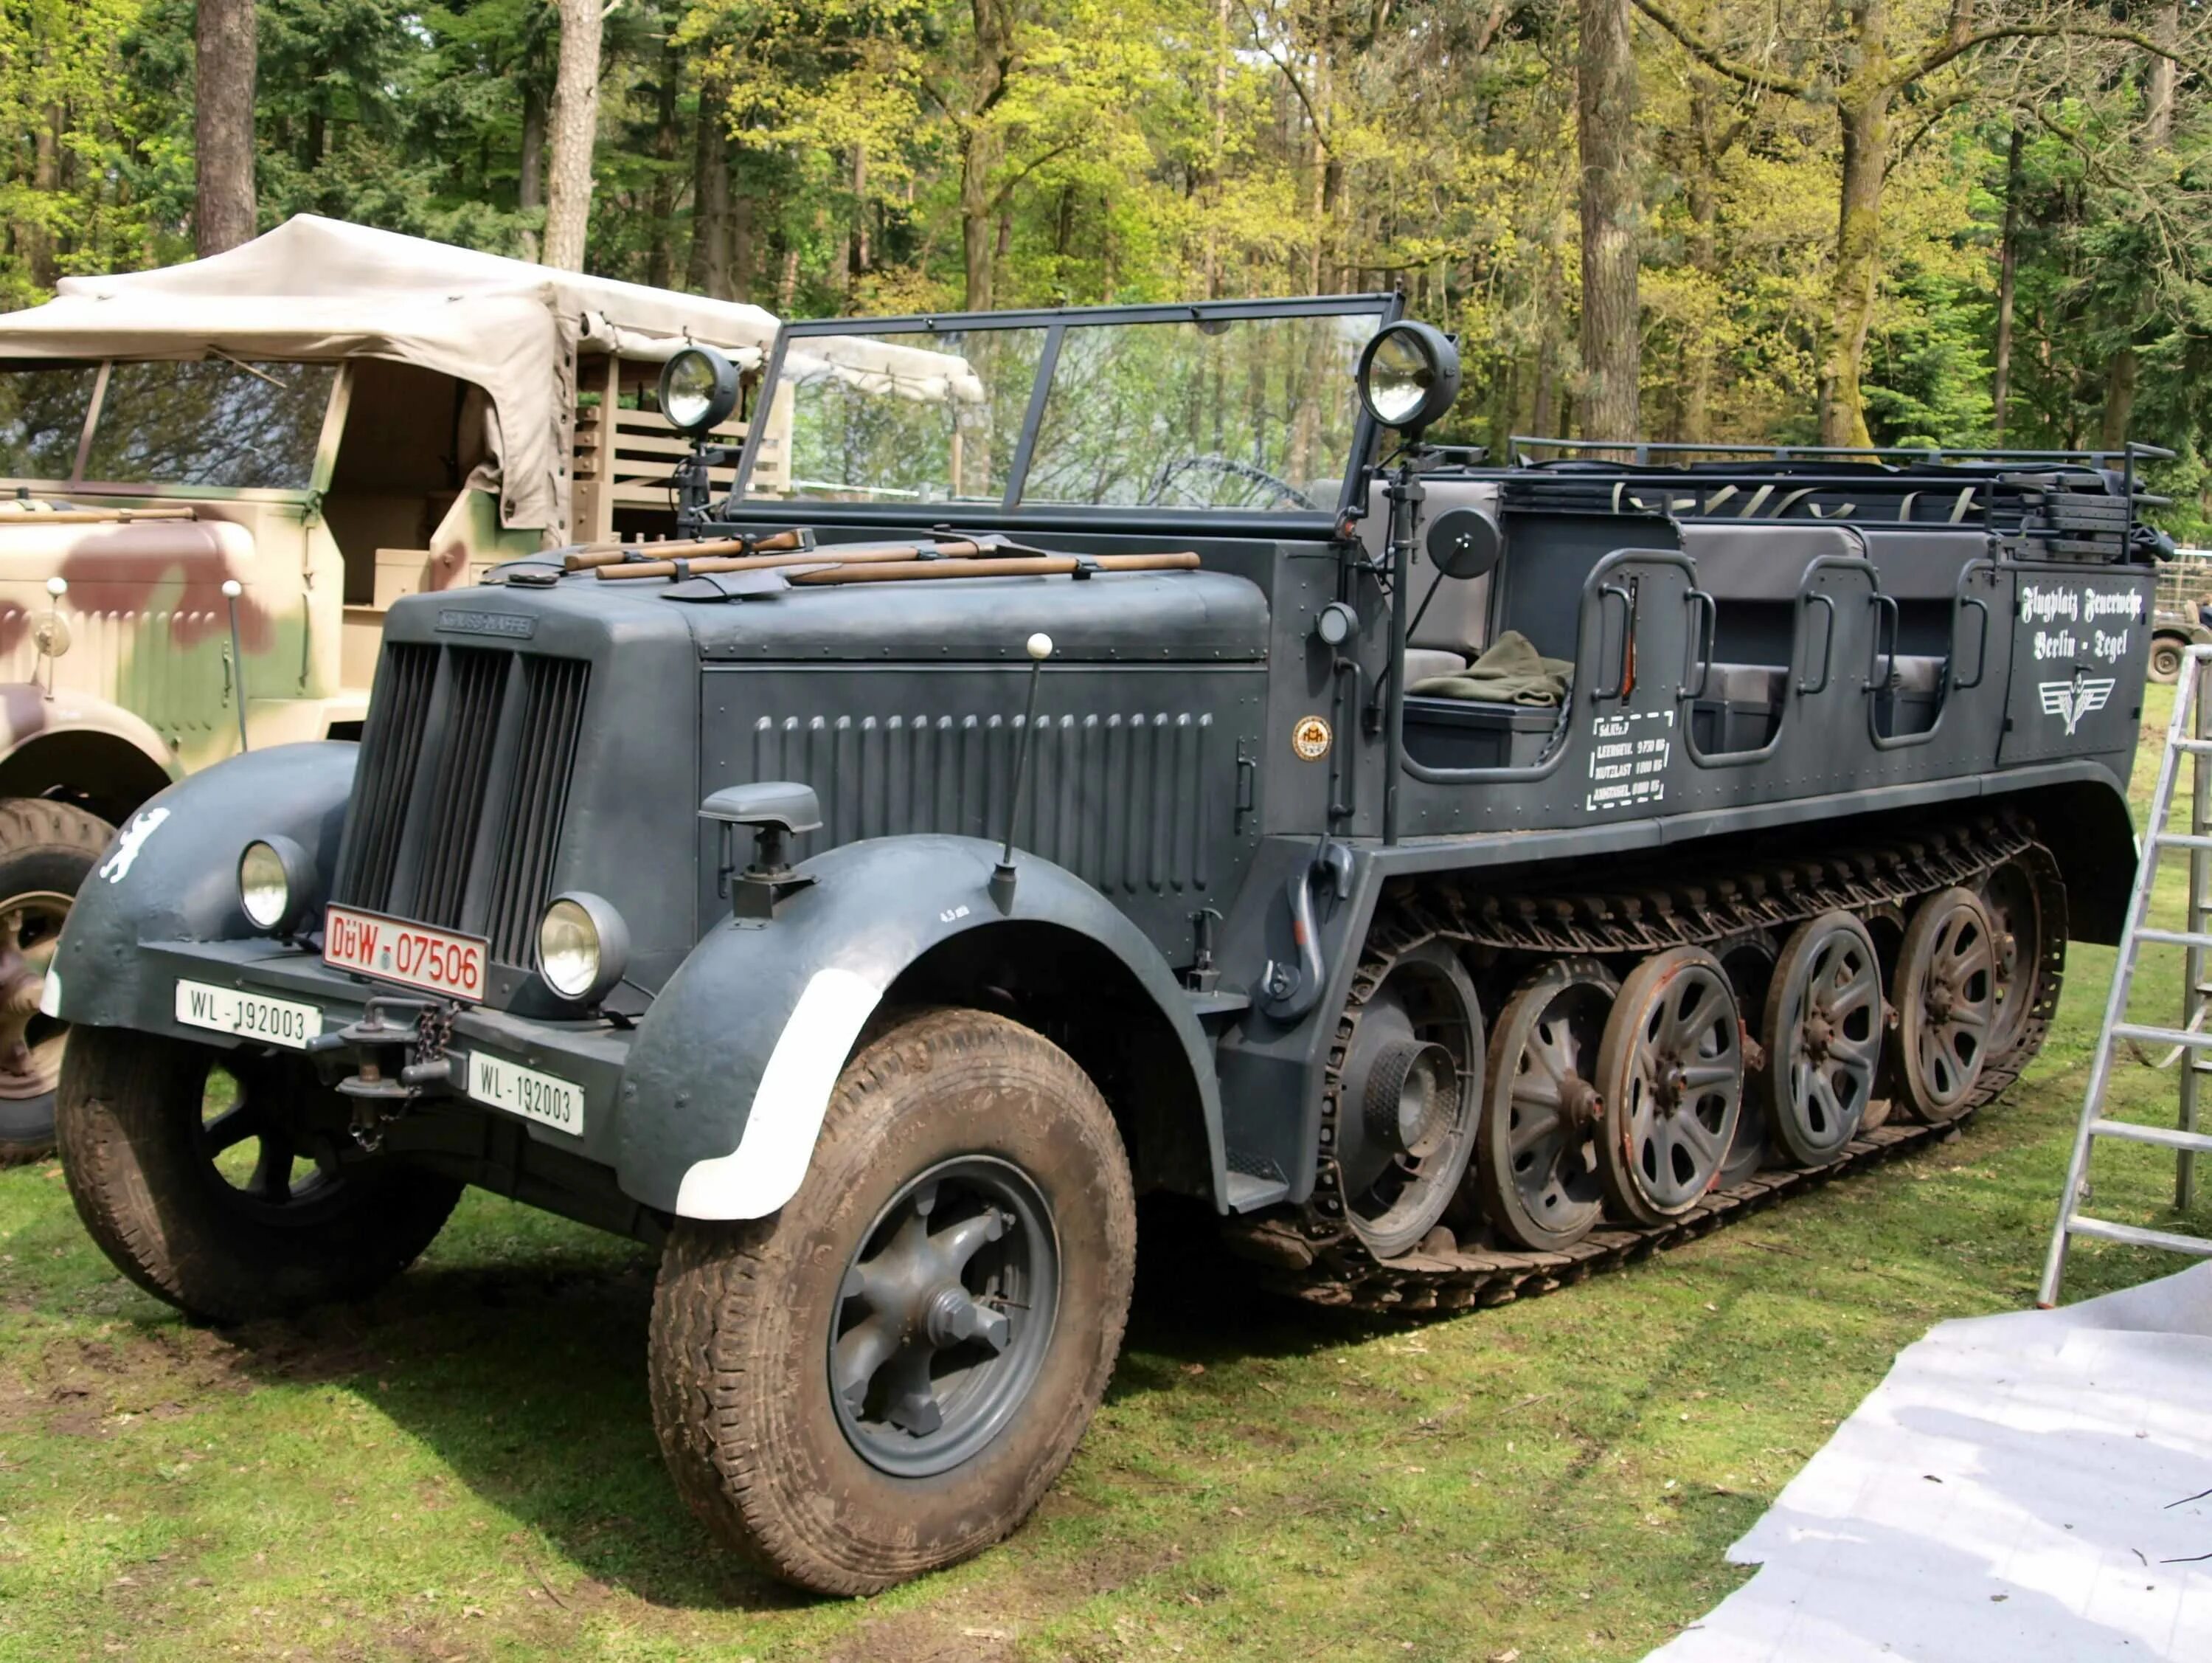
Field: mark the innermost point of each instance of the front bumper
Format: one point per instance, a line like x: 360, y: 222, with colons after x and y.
x: 589, y: 1055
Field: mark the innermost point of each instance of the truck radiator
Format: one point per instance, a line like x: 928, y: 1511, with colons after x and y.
x: 460, y: 739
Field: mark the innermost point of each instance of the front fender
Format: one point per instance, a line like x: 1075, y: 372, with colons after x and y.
x: 733, y: 1067
x: 171, y: 875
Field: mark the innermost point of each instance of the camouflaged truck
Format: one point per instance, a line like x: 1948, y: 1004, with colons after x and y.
x: 329, y: 418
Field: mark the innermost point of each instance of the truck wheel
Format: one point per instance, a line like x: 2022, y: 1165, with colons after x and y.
x: 2166, y: 654
x: 48, y: 849
x: 231, y: 1205
x: 884, y: 1377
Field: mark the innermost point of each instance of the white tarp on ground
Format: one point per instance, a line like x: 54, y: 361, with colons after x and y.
x: 321, y: 288
x: 2016, y: 1490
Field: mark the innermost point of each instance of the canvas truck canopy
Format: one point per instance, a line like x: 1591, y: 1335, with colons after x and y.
x: 322, y: 289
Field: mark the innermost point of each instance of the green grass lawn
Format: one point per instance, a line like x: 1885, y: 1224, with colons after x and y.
x: 464, y: 1469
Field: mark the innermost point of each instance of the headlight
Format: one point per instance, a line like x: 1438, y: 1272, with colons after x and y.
x: 275, y: 880
x: 698, y: 388
x: 1409, y: 376
x: 583, y: 947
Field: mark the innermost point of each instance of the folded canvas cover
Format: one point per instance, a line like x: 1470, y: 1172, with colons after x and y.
x: 320, y: 289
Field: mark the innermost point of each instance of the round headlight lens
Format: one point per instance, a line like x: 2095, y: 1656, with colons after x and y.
x: 1398, y: 378
x: 1409, y: 375
x: 569, y: 949
x: 698, y: 388
x: 265, y: 886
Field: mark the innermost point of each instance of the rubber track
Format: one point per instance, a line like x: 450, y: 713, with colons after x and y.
x: 1309, y: 1252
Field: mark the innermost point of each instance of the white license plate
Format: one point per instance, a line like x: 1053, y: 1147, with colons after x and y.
x: 248, y: 1015
x: 534, y: 1096
x: 413, y: 955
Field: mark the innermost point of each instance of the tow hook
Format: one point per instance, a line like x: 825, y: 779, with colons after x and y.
x: 396, y: 1062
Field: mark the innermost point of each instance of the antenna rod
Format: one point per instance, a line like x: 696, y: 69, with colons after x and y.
x: 1002, y: 875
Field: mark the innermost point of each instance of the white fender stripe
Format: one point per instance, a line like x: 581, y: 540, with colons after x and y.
x: 766, y: 1168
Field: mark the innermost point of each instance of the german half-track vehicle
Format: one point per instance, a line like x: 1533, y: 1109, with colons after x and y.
x: 1114, y: 755
x: 216, y: 477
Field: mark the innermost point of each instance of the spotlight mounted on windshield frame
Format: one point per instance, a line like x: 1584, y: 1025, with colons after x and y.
x: 698, y: 390
x: 1408, y: 377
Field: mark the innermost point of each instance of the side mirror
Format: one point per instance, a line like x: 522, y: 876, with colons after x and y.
x: 1465, y: 542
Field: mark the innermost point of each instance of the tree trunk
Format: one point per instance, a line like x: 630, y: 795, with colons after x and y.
x: 576, y: 124
x: 660, y: 255
x: 1702, y: 197
x: 2158, y: 96
x: 2007, y: 272
x: 2119, y: 398
x: 1611, y: 207
x: 1863, y: 111
x: 530, y: 189
x: 35, y: 238
x: 856, y: 235
x: 224, y: 43
x: 708, y: 271
x: 978, y: 152
x: 737, y: 274
x: 786, y: 285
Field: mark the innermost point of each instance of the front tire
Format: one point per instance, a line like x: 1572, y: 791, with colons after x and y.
x: 48, y: 849
x: 867, y: 1386
x: 234, y: 1209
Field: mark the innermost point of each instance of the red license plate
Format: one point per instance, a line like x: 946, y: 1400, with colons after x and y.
x: 413, y: 955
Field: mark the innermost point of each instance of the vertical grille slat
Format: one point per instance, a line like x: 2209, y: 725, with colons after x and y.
x: 390, y: 747
x: 553, y: 706
x: 463, y: 775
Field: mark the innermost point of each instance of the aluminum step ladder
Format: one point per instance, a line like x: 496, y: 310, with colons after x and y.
x: 2189, y: 734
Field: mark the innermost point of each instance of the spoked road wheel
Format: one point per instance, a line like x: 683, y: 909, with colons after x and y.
x: 1411, y: 1092
x: 224, y: 1182
x: 1536, y: 1169
x: 1671, y: 1073
x: 885, y: 1376
x: 1823, y: 1034
x: 2018, y: 936
x: 1945, y: 1004
x: 47, y: 852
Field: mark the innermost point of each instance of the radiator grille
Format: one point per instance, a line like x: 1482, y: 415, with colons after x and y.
x: 390, y: 747
x: 552, y: 713
x: 460, y: 740
x: 475, y: 680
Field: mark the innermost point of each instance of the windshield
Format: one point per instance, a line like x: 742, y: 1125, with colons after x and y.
x: 1172, y: 408
x: 214, y: 422
x: 905, y: 417
x: 42, y: 414
x: 217, y: 422
x: 1249, y: 412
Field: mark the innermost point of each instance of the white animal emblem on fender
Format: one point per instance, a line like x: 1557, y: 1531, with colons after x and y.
x: 116, y: 867
x: 2070, y: 701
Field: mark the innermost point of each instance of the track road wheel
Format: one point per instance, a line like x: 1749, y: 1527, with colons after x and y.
x: 1410, y: 1096
x: 48, y: 849
x: 1823, y: 1034
x: 884, y: 1377
x: 2017, y: 926
x: 1945, y: 1004
x: 1535, y: 1175
x: 225, y: 1182
x: 1671, y: 1073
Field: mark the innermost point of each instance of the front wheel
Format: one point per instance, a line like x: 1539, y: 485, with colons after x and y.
x: 48, y: 849
x: 885, y: 1376
x: 2167, y: 654
x: 225, y: 1184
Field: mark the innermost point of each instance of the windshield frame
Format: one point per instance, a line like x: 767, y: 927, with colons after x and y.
x: 1385, y: 307
x: 77, y: 481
